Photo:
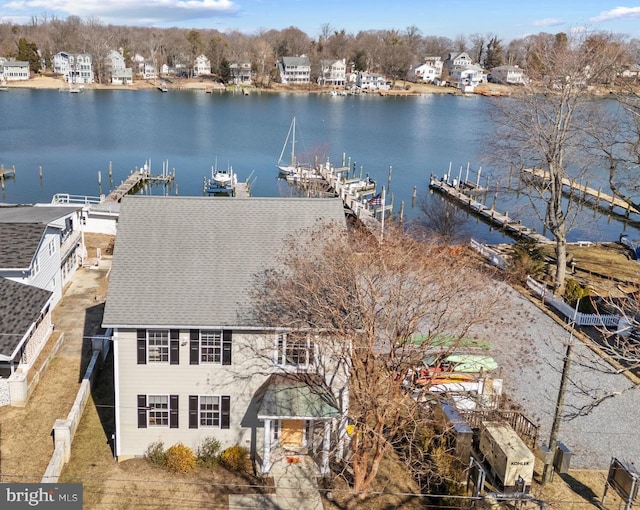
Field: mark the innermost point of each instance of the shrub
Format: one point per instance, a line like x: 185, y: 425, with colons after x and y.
x: 180, y: 458
x: 155, y: 454
x: 235, y: 458
x: 527, y: 260
x: 574, y: 292
x: 209, y: 452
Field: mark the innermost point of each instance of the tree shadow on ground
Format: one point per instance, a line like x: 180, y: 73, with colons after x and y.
x: 582, y: 490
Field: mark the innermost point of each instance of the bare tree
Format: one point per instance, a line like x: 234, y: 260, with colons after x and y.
x: 478, y: 46
x: 371, y: 300
x: 442, y: 218
x: 543, y: 129
x: 396, y: 57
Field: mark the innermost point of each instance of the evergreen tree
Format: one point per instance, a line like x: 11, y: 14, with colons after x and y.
x: 28, y: 52
x: 495, y: 54
x: 225, y: 71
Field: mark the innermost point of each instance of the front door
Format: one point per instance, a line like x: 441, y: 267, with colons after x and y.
x: 291, y: 432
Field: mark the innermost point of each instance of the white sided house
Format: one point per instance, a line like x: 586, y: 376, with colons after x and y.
x: 190, y: 359
x: 508, y: 75
x: 40, y: 245
x: 202, y: 66
x: 295, y: 70
x: 371, y: 81
x: 333, y: 73
x: 76, y: 68
x: 423, y: 73
x: 14, y: 70
x: 468, y: 78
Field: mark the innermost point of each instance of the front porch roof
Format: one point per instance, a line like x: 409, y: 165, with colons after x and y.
x: 300, y: 396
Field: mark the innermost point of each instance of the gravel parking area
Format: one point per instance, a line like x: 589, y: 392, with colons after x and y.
x: 530, y: 346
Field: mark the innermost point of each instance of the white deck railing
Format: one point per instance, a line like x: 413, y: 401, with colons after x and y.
x: 570, y: 313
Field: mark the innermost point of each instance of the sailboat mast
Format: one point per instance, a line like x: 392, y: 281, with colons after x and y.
x: 293, y: 144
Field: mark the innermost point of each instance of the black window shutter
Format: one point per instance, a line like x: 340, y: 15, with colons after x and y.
x: 194, y: 347
x: 142, y: 411
x: 193, y: 411
x: 226, y: 347
x: 225, y: 408
x: 174, y: 347
x: 173, y: 411
x: 142, y: 347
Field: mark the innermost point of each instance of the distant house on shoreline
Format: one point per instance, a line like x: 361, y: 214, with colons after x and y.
x: 509, y: 75
x: 294, y: 70
x: 120, y: 73
x: 371, y: 81
x: 13, y: 70
x: 333, y: 73
x: 75, y: 67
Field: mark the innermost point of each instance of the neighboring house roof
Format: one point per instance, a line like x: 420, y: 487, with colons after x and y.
x: 190, y: 261
x: 295, y: 61
x: 296, y: 396
x: 20, y: 307
x: 19, y: 244
x: 34, y: 214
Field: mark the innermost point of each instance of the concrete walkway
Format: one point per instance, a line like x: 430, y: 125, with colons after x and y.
x: 296, y: 488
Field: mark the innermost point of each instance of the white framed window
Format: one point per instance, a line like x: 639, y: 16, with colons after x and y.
x: 158, y: 345
x: 294, y: 350
x: 209, y: 411
x: 210, y: 346
x: 36, y: 267
x: 158, y: 410
x: 52, y: 247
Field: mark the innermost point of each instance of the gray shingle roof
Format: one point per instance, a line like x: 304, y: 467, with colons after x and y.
x: 189, y: 261
x: 19, y: 244
x: 20, y: 307
x: 34, y: 214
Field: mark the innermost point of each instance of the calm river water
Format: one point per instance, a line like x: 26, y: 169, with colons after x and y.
x: 73, y: 136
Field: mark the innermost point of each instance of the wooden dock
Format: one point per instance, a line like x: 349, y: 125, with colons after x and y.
x: 593, y: 196
x: 502, y: 221
x: 6, y: 173
x: 136, y: 179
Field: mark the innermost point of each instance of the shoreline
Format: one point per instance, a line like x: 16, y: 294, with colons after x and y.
x: 401, y: 89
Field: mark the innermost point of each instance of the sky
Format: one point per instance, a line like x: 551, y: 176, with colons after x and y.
x: 508, y: 19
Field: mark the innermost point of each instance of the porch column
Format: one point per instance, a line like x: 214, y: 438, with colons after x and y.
x: 311, y: 434
x: 266, y: 447
x: 326, y: 445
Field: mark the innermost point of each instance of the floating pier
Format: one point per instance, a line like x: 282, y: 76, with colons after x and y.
x: 590, y: 195
x: 500, y: 220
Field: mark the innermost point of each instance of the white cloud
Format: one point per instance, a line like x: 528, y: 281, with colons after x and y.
x: 617, y: 13
x: 130, y: 11
x: 548, y: 22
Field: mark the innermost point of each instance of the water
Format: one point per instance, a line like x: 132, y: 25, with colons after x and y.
x: 73, y: 136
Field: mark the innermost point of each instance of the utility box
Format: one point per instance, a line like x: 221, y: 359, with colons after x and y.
x: 562, y: 458
x: 508, y: 457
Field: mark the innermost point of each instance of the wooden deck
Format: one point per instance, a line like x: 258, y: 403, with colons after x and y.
x: 511, y: 227
x: 594, y: 196
x: 355, y: 193
x: 135, y: 180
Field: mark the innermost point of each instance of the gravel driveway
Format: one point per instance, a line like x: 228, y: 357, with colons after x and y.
x: 530, y: 346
